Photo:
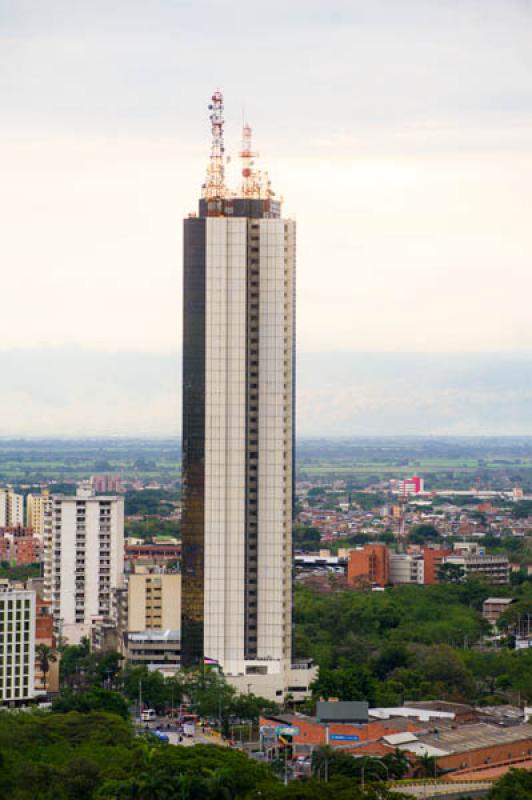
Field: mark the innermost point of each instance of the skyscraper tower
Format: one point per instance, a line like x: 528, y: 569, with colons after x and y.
x: 238, y: 421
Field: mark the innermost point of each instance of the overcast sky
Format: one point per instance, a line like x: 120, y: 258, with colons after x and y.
x: 398, y: 133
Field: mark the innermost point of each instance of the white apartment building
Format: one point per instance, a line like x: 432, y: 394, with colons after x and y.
x: 17, y: 646
x: 84, y: 560
x: 37, y: 511
x: 11, y: 508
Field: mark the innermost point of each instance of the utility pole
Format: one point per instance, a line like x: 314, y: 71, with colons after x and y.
x: 140, y: 699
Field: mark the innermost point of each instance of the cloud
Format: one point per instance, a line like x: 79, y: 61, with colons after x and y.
x: 399, y: 134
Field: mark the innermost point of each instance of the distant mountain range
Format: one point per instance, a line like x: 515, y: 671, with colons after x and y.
x: 81, y: 392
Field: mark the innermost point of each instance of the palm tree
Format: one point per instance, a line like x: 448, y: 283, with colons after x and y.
x: 397, y: 763
x: 45, y: 656
x: 320, y: 761
x: 426, y: 766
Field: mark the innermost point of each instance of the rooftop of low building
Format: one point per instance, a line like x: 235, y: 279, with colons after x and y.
x: 474, y: 737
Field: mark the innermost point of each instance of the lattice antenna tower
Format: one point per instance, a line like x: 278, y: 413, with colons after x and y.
x: 214, y: 187
x: 250, y: 176
x: 255, y: 183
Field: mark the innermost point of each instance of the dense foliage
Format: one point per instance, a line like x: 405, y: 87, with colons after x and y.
x: 410, y: 643
x: 150, y: 501
x: 149, y: 529
x: 98, y: 681
x: 515, y: 785
x: 16, y: 572
x: 96, y: 756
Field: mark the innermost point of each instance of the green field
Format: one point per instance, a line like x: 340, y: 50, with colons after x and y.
x: 450, y: 463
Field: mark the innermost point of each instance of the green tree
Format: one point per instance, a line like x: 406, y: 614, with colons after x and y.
x: 45, y: 656
x: 451, y: 573
x: 346, y: 682
x: 426, y: 767
x: 397, y: 764
x: 515, y: 785
x: 95, y: 699
x: 421, y: 534
x: 391, y: 657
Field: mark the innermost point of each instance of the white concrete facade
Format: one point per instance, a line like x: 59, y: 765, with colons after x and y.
x: 11, y: 508
x: 229, y: 445
x: 405, y: 568
x: 84, y: 560
x: 225, y: 439
x: 277, y: 265
x: 17, y: 646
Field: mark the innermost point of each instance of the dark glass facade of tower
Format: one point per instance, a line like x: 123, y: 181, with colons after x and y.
x: 193, y: 427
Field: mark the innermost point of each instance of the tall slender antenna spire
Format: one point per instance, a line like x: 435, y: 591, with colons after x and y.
x: 250, y: 184
x: 214, y: 186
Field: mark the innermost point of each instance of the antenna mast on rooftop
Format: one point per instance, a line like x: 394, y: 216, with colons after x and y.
x: 255, y: 183
x: 250, y: 177
x: 214, y: 186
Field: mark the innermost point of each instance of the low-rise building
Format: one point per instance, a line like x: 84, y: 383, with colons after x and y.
x: 19, y: 546
x: 473, y: 745
x: 150, y: 554
x: 369, y: 565
x: 406, y: 568
x: 493, y: 569
x: 433, y: 558
x: 154, y: 649
x: 154, y: 600
x: 306, y: 733
x: 493, y: 607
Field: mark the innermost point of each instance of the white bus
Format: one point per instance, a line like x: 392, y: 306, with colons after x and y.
x: 148, y: 715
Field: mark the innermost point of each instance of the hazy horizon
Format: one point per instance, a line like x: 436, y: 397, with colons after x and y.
x: 76, y: 392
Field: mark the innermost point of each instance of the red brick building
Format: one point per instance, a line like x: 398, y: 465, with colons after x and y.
x: 44, y: 634
x: 432, y: 561
x: 369, y: 564
x: 347, y: 736
x: 19, y: 546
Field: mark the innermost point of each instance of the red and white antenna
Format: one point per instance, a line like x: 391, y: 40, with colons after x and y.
x: 214, y: 186
x: 250, y: 187
x: 255, y: 182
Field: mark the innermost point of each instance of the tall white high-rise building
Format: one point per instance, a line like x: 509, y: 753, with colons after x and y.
x: 238, y: 425
x: 84, y: 559
x: 11, y: 508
